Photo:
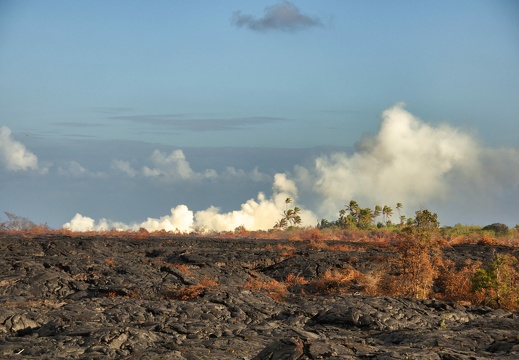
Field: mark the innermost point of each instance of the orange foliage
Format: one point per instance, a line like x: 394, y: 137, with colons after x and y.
x: 188, y: 292
x: 271, y: 288
x: 334, y: 281
x: 110, y: 261
x: 293, y: 280
x: 456, y: 283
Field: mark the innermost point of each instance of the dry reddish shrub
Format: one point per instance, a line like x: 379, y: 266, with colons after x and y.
x: 413, y: 269
x: 456, y: 282
x: 370, y: 282
x: 346, y: 248
x: 110, y: 261
x: 181, y: 267
x: 188, y: 292
x: 208, y: 282
x: 487, y: 239
x: 294, y: 280
x: 311, y: 234
x: 334, y: 281
x: 271, y: 288
x: 317, y: 245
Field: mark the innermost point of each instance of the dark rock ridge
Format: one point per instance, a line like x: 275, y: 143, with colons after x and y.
x: 109, y: 298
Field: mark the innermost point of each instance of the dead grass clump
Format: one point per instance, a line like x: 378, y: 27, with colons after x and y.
x: 317, y: 245
x: 487, y: 240
x: 271, y: 288
x: 188, y: 292
x: 334, y: 281
x: 110, y: 261
x: 294, y: 280
x: 311, y: 234
x: 182, y: 267
x: 346, y: 248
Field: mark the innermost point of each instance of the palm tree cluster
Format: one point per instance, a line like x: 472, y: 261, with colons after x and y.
x: 354, y: 216
x: 290, y: 217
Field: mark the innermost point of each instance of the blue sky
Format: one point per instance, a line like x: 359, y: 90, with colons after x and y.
x: 100, y: 91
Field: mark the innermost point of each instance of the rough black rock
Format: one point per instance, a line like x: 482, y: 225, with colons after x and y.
x: 107, y: 298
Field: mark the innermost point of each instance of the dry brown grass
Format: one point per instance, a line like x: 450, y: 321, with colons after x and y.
x: 182, y: 267
x: 334, y: 281
x: 271, y: 288
x: 188, y: 292
x: 293, y: 280
x: 110, y: 261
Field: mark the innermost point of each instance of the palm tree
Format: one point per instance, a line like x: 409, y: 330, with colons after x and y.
x: 353, y: 209
x: 377, y: 212
x: 398, y: 207
x: 387, y: 212
x: 365, y: 218
x: 287, y: 201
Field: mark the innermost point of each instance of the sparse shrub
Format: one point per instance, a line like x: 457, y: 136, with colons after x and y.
x: 487, y: 239
x: 496, y: 284
x: 312, y: 234
x: 271, y: 288
x: 455, y: 283
x: 181, y: 267
x: 21, y: 224
x: 334, y: 281
x: 188, y: 292
x: 293, y: 280
x: 317, y: 245
x: 416, y: 263
x: 110, y: 261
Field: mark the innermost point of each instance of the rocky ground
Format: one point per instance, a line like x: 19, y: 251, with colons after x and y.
x: 184, y: 298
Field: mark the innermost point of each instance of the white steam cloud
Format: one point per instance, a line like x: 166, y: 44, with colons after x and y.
x: 411, y: 162
x: 255, y: 214
x: 13, y: 154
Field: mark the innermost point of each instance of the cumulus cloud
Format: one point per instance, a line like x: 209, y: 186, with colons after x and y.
x: 124, y: 167
x: 173, y: 166
x: 255, y: 214
x: 284, y: 17
x: 13, y: 154
x: 75, y: 170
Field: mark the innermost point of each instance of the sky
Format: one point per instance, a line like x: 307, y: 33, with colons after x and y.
x: 191, y: 115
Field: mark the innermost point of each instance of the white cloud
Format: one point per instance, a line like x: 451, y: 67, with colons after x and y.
x: 174, y: 167
x: 75, y: 170
x: 13, y: 154
x: 124, y: 167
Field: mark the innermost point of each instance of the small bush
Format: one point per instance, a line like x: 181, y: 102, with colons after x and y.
x: 271, y: 288
x: 334, y: 281
x: 496, y: 284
